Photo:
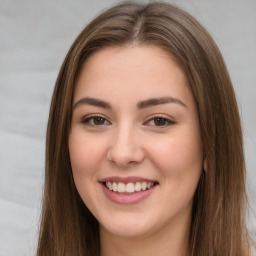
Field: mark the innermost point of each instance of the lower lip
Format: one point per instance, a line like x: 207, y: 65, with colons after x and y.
x: 127, y: 198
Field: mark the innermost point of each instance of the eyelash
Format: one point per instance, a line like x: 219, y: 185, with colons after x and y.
x: 87, y: 120
x: 90, y: 120
x: 166, y: 122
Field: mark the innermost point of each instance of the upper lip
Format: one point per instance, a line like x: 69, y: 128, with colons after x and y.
x: 126, y: 179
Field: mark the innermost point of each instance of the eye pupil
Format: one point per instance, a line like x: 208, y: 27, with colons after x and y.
x: 98, y: 120
x: 160, y: 121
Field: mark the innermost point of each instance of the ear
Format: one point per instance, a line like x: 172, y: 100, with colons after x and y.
x: 205, y: 165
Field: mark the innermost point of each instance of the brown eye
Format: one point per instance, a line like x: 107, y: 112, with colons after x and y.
x: 95, y: 121
x: 159, y: 121
x: 98, y: 120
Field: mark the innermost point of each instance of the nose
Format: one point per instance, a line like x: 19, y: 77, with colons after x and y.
x: 125, y: 148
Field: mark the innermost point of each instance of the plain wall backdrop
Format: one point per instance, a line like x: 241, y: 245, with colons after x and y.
x: 34, y: 39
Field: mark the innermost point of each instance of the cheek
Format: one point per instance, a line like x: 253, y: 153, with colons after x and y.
x: 85, y: 154
x: 179, y: 160
x: 178, y: 157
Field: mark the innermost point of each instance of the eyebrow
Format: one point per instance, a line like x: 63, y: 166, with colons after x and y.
x: 93, y: 102
x: 142, y: 104
x: 159, y: 101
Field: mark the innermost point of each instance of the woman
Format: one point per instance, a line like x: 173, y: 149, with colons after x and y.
x: 144, y: 145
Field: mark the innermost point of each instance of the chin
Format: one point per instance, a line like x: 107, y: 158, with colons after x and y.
x: 127, y: 228
x: 129, y: 232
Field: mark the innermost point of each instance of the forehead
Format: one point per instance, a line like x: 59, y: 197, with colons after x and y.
x: 138, y: 71
x: 129, y: 58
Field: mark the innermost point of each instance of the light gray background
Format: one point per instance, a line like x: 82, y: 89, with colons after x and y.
x: 34, y: 38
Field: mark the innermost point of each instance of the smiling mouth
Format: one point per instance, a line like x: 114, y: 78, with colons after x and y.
x: 129, y: 188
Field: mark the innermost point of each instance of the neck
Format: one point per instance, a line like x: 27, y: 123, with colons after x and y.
x: 168, y: 242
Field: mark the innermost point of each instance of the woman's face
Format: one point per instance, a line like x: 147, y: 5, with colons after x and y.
x: 135, y: 145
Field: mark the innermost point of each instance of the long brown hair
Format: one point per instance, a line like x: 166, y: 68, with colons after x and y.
x: 218, y: 226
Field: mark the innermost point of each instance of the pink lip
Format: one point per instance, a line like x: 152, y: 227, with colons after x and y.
x: 125, y: 179
x: 127, y: 198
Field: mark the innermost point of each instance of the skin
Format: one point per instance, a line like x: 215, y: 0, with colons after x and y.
x: 128, y: 141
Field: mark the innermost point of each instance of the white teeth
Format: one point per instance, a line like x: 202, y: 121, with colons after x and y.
x: 130, y: 187
x: 149, y: 185
x: 144, y: 185
x: 109, y: 185
x: 138, y: 186
x: 121, y: 187
x: 114, y: 186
